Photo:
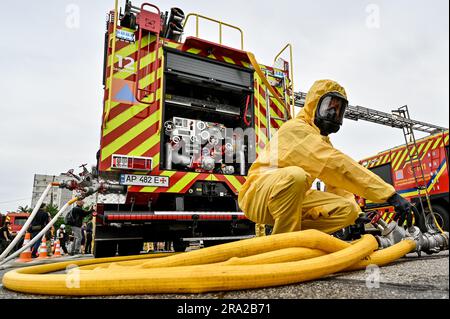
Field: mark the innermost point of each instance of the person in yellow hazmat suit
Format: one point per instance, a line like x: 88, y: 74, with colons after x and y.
x: 278, y: 189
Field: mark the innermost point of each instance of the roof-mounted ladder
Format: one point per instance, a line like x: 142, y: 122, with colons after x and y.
x: 357, y: 113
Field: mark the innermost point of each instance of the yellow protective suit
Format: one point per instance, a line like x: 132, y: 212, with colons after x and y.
x: 278, y: 189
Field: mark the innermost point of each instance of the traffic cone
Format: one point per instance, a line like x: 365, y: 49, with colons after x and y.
x: 43, y: 249
x: 25, y: 256
x: 57, y: 249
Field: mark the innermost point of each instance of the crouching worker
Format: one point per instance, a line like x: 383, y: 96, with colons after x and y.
x: 278, y: 189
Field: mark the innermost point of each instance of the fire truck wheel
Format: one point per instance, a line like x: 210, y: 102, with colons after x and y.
x: 441, y: 215
x: 419, y: 220
x: 104, y: 249
x: 130, y: 247
x: 179, y: 246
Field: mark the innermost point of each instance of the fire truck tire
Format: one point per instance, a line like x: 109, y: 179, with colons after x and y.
x: 179, y: 246
x: 104, y: 249
x: 130, y: 248
x: 441, y: 215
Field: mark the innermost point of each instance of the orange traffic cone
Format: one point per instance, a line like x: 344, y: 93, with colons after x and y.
x: 43, y: 249
x: 57, y: 249
x: 25, y: 256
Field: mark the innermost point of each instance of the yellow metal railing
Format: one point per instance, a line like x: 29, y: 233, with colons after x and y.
x: 111, y: 75
x: 291, y: 65
x: 220, y: 23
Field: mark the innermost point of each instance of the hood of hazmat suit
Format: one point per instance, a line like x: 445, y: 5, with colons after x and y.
x: 299, y: 143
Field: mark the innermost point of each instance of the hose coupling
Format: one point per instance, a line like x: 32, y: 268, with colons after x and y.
x: 430, y: 243
x: 391, y: 234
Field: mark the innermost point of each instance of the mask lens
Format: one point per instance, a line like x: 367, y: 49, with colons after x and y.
x: 333, y: 108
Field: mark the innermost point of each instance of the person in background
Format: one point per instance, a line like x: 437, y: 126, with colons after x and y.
x: 61, y: 235
x: 51, y: 239
x: 70, y: 240
x: 39, y: 222
x: 83, y: 238
x: 5, y: 234
x: 78, y: 214
x: 89, y: 230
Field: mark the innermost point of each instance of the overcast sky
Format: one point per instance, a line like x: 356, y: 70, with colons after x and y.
x: 385, y: 53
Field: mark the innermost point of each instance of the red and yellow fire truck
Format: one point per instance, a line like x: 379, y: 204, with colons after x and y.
x: 183, y: 120
x: 17, y: 220
x: 395, y: 167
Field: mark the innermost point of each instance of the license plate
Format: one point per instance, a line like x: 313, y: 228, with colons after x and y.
x: 144, y: 180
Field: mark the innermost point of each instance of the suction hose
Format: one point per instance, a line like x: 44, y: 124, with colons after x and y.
x: 41, y: 233
x: 26, y: 225
x: 255, y: 263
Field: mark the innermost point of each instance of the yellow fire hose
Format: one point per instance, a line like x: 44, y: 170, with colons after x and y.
x: 255, y: 263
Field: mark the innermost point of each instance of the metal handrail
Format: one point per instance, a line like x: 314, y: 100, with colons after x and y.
x: 220, y: 23
x: 111, y: 75
x: 291, y: 64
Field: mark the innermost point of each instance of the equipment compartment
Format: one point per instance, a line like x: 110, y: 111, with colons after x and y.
x: 207, y: 116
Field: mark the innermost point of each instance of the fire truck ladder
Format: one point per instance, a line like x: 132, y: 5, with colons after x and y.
x: 357, y: 113
x: 416, y: 165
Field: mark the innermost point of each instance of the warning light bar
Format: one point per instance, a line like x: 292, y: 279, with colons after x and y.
x: 133, y: 163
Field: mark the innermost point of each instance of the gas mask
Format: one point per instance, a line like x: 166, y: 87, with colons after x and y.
x: 330, y: 113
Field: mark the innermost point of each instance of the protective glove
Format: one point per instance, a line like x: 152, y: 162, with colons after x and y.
x: 402, y: 208
x: 363, y: 218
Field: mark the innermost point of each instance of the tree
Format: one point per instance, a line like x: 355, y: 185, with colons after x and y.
x: 25, y: 209
x: 52, y: 209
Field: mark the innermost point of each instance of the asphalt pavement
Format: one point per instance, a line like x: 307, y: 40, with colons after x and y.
x: 411, y: 277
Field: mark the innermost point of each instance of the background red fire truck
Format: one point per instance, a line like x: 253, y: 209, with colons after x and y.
x: 396, y: 166
x: 17, y: 220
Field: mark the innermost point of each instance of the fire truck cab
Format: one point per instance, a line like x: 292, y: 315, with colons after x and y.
x: 17, y: 221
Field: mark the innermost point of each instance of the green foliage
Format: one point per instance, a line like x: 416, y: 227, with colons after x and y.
x: 24, y: 209
x: 52, y: 209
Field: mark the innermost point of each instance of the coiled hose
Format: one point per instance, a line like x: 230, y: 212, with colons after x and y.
x: 255, y: 263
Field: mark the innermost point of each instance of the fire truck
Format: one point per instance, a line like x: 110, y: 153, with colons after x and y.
x: 183, y: 120
x: 17, y: 220
x: 417, y: 173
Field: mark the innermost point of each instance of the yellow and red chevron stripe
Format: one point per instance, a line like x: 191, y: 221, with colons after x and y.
x: 401, y: 156
x: 132, y: 128
x: 181, y: 182
x: 278, y: 114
